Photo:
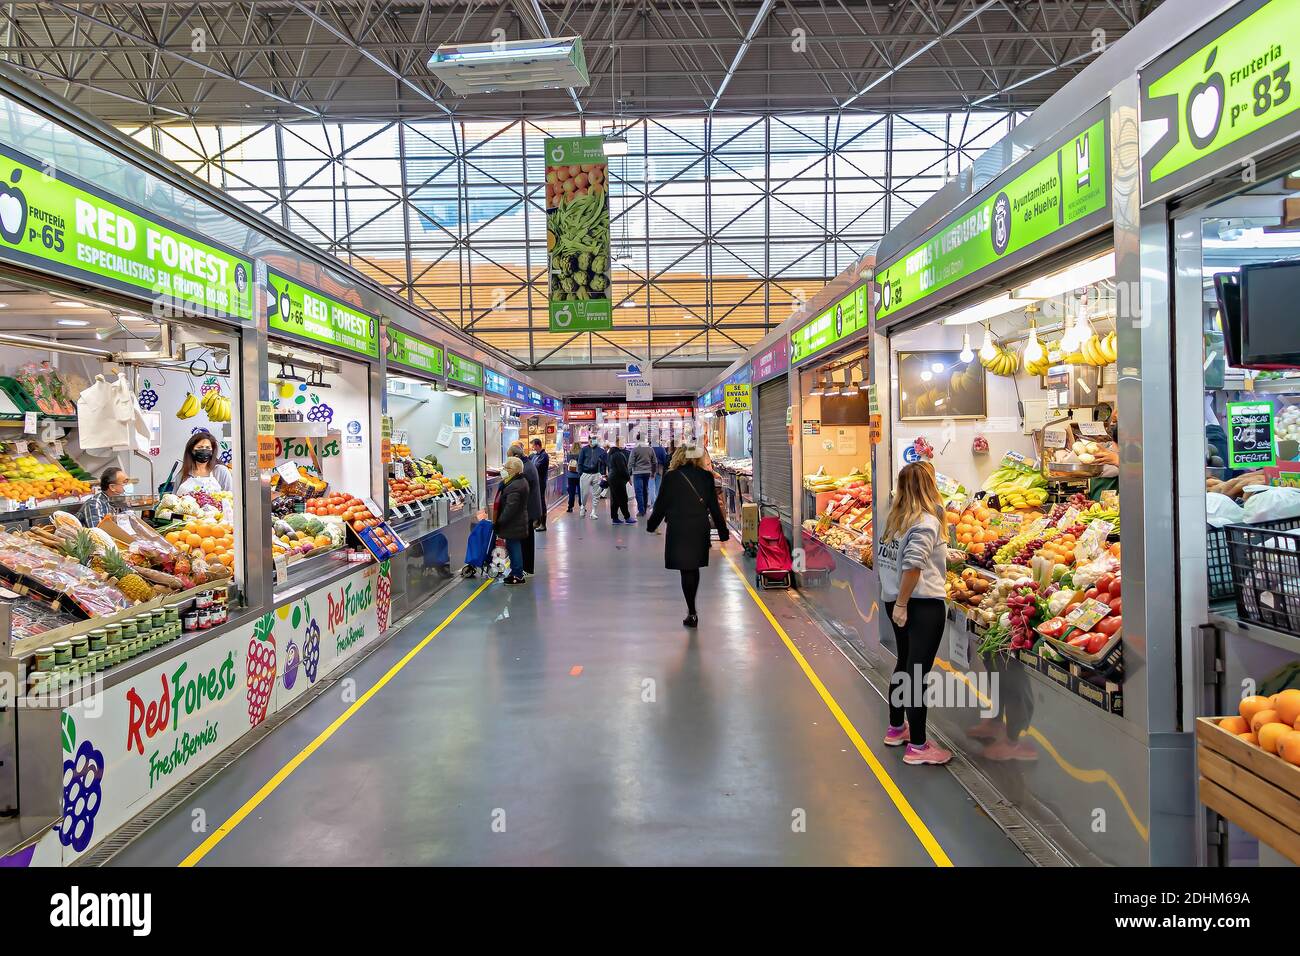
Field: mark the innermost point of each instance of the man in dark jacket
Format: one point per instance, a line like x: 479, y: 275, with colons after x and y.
x: 619, y: 474
x: 542, y: 462
x: 535, y: 512
x: 591, y: 466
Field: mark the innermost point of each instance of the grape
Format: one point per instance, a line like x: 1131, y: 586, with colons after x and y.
x: 82, y: 796
x: 320, y: 413
x: 148, y: 399
x: 311, y: 651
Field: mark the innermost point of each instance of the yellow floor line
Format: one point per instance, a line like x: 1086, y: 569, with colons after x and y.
x: 206, y: 847
x: 882, y: 775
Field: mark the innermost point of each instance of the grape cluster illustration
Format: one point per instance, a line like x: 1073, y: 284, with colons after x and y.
x: 148, y: 397
x: 226, y: 457
x: 320, y: 412
x: 82, y: 796
x: 384, y: 591
x: 311, y: 651
x: 261, y: 670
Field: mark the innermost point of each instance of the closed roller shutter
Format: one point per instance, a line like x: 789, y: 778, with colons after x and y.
x: 775, y: 478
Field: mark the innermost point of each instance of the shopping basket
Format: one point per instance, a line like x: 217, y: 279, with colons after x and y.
x: 1265, y: 561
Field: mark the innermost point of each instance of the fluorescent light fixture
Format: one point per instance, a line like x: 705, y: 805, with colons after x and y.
x: 69, y: 304
x: 988, y: 309
x: 628, y: 303
x: 457, y: 393
x: 817, y: 389
x: 615, y: 145
x: 1077, y: 276
x: 511, y: 66
x: 76, y: 323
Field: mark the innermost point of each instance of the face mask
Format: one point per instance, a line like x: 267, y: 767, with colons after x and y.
x: 203, y: 455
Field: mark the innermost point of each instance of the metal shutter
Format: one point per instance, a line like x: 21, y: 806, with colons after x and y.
x: 775, y: 478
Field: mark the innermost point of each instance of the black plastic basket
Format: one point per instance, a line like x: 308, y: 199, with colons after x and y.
x: 1219, y: 564
x: 1265, y: 561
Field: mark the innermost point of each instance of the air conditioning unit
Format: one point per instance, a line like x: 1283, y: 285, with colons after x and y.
x: 399, y: 386
x: 511, y: 65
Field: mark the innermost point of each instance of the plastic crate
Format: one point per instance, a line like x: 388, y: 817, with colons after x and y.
x: 1219, y: 564
x: 1265, y: 561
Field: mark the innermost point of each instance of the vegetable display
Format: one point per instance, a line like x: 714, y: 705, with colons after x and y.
x: 578, y: 240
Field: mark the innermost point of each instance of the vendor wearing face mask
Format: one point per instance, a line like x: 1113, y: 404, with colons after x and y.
x: 199, y: 469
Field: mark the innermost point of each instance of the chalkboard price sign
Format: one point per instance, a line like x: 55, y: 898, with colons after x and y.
x: 1250, y: 435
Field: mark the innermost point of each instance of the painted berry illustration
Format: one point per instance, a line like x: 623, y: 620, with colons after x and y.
x: 209, y: 384
x: 148, y: 397
x: 311, y: 651
x: 290, y: 665
x: 384, y: 592
x: 226, y: 457
x: 82, y: 796
x: 320, y: 412
x: 261, y: 670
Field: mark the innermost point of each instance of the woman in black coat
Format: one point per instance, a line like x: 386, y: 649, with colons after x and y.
x: 511, y: 519
x: 688, y: 501
x: 535, y: 511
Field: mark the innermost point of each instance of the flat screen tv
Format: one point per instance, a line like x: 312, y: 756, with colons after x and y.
x: 936, y: 385
x: 1270, y: 314
x: 1228, y: 291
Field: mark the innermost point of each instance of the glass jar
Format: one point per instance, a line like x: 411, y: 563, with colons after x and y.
x: 159, y: 618
x: 62, y: 653
x: 98, y: 639
x: 43, y: 660
x: 112, y: 634
x: 38, y: 682
x: 128, y: 629
x: 192, y: 619
x: 173, y: 615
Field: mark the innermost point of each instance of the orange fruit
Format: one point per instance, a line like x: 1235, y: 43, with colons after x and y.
x: 208, y: 544
x: 1235, y: 725
x: 1250, y: 706
x: 1288, y: 747
x: 1249, y: 738
x: 1262, y: 718
x: 1287, y: 705
x: 1270, y: 735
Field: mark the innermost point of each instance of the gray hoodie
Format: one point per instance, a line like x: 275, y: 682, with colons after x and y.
x: 919, y: 548
x: 643, y: 460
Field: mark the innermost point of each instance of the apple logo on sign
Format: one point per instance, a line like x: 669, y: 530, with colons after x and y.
x: 1205, y: 106
x: 13, y: 209
x: 286, y: 304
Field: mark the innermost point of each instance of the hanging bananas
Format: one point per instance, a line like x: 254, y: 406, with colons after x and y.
x: 1005, y: 361
x: 1101, y: 351
x: 189, y: 408
x: 217, y: 406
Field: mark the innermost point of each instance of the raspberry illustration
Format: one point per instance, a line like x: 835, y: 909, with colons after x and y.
x: 320, y: 412
x: 208, y: 385
x: 290, y: 665
x: 384, y: 595
x: 148, y: 397
x: 311, y: 651
x: 82, y: 796
x: 261, y: 670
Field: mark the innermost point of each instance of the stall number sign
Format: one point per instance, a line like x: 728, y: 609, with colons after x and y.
x: 1058, y: 190
x: 56, y: 222
x: 737, y: 398
x: 414, y: 352
x: 304, y: 312
x: 1215, y: 90
x: 1250, y: 435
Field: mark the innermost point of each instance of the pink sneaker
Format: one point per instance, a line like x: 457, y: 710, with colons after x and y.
x: 987, y: 729
x: 1006, y: 750
x: 926, y: 754
x: 896, y: 736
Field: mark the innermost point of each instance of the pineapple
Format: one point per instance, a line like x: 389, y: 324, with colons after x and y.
x: 128, y: 582
x: 81, y: 548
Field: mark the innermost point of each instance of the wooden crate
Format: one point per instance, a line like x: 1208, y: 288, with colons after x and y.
x: 1255, y: 790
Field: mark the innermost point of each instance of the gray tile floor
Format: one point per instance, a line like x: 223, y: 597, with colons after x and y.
x: 669, y: 748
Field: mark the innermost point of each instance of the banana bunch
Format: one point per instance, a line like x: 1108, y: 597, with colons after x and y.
x: 216, y: 405
x: 1004, y: 363
x: 189, y: 408
x: 1045, y: 363
x: 1101, y: 351
x: 1019, y: 500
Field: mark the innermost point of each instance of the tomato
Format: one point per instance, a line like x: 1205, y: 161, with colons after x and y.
x: 1109, y: 625
x: 1096, y: 642
x: 1116, y: 605
x: 1104, y: 582
x: 1091, y: 594
x: 1114, y: 588
x: 1080, y: 640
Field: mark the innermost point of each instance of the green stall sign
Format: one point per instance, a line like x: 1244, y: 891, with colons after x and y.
x: 843, y: 319
x: 414, y: 352
x: 56, y: 223
x: 310, y: 314
x: 464, y: 371
x: 1220, y: 95
x: 1060, y: 189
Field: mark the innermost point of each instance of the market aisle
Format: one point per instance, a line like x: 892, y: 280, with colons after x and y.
x: 574, y: 721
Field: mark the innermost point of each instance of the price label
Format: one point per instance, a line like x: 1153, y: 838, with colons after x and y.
x: 1086, y: 615
x: 399, y: 470
x: 959, y: 647
x: 281, y: 570
x: 29, y: 423
x: 1054, y: 438
x: 289, y: 472
x: 1092, y: 541
x: 1012, y: 521
x: 1093, y: 430
x: 1250, y: 435
x: 1070, y: 517
x: 374, y: 508
x: 265, y: 418
x: 20, y: 447
x: 265, y: 451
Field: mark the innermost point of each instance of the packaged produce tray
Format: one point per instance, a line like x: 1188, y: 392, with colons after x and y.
x: 1258, y: 791
x: 1265, y: 563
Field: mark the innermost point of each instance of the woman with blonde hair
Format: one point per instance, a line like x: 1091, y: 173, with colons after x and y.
x: 688, y: 501
x: 912, y: 557
x: 510, y: 519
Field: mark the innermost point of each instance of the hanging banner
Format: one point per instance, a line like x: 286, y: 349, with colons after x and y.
x: 57, y: 223
x: 1032, y: 209
x: 1221, y: 96
x: 413, y: 352
x: 638, y: 384
x: 577, y: 234
x: 304, y: 312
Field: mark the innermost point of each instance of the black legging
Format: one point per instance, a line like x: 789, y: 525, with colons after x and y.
x: 618, y: 499
x: 917, y: 645
x: 690, y: 585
